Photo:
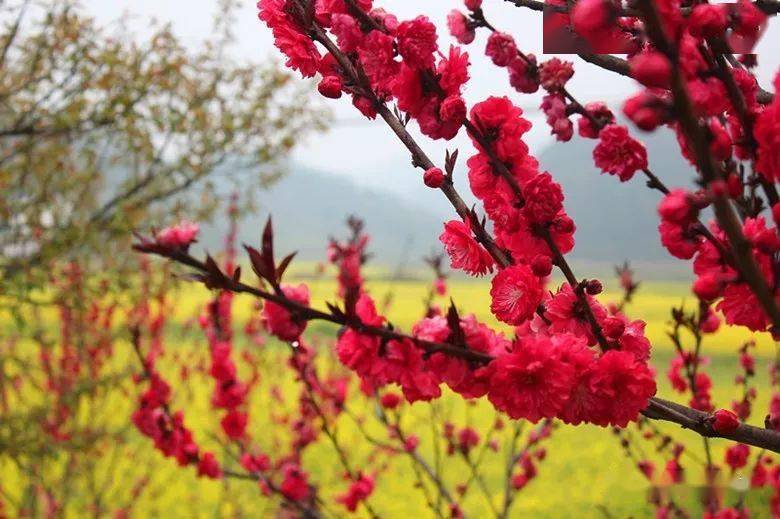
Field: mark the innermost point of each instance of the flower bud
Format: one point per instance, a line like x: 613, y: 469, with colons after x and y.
x: 390, y: 400
x: 613, y: 327
x: 708, y: 21
x: 707, y: 287
x: 434, y: 178
x: 330, y: 87
x: 592, y: 17
x: 564, y: 224
x: 724, y: 421
x: 651, y: 68
x: 541, y: 265
x: 453, y: 109
x: 734, y: 185
x: 594, y: 287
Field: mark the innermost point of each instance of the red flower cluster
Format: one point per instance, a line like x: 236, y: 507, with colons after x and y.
x: 229, y: 393
x: 170, y: 435
x: 767, y: 133
x: 716, y: 277
x: 501, y: 124
x: 302, y: 54
x: 550, y: 370
x: 358, y: 492
x: 399, y: 362
x: 560, y: 377
x: 399, y: 59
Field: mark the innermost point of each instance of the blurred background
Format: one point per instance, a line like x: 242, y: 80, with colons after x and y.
x: 121, y: 116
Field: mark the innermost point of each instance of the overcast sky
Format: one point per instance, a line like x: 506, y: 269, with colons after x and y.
x: 368, y: 143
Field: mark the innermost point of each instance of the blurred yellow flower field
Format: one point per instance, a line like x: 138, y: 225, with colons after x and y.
x: 584, y: 475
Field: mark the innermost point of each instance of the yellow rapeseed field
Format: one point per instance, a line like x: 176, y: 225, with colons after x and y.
x: 585, y: 473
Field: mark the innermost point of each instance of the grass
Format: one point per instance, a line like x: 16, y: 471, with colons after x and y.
x: 584, y: 471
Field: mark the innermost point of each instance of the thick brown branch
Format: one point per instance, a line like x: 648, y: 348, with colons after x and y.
x: 697, y: 421
x: 658, y: 409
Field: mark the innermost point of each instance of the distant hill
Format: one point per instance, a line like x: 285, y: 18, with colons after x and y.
x: 615, y: 221
x: 309, y: 206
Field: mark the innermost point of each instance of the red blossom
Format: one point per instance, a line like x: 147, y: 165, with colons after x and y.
x: 358, y: 351
x: 598, y: 111
x: 593, y: 18
x: 748, y: 19
x: 554, y: 74
x: 724, y: 421
x: 565, y: 313
x: 554, y: 107
x: 234, y: 424
x: 531, y: 382
x: 468, y: 438
x: 302, y: 55
x: 464, y: 251
x: 543, y: 199
x: 677, y: 207
x: 737, y: 455
x: 741, y: 307
x: 646, y: 110
x: 767, y: 134
x: 295, y: 485
x: 501, y: 48
x: 390, y: 400
x: 708, y: 20
x: 523, y: 74
x: 208, y: 466
x: 417, y: 42
x: 179, y: 236
x: 651, y: 68
x: 682, y: 241
x: 619, y: 387
x: 358, y: 492
x: 280, y: 321
x: 459, y: 27
x: 516, y: 293
x: 617, y: 153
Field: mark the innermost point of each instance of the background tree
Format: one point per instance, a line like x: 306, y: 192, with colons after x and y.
x: 99, y: 131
